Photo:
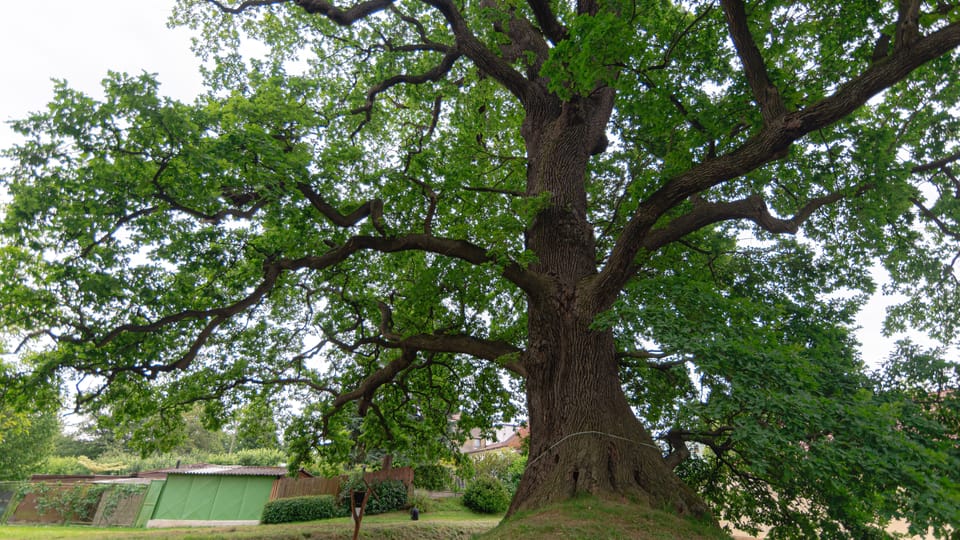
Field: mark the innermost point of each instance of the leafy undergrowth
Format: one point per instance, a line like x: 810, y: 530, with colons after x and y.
x: 592, y: 518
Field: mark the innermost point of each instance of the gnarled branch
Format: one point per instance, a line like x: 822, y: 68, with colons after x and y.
x: 764, y: 91
x: 246, y: 4
x: 487, y: 349
x: 549, y: 25
x: 941, y: 225
x: 753, y: 208
x: 908, y: 23
x: 432, y: 75
x: 341, y: 17
x: 771, y: 143
x: 459, y: 249
x: 373, y: 208
x: 484, y: 58
x: 937, y: 164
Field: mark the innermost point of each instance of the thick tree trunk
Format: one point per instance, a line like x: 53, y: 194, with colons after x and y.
x: 584, y: 438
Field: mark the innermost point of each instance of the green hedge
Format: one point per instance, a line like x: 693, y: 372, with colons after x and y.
x: 486, y: 495
x: 432, y: 477
x: 300, y: 509
x: 387, y: 496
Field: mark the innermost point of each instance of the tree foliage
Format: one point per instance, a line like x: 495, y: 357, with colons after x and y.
x: 408, y: 210
x: 26, y: 439
x: 26, y: 433
x: 256, y: 427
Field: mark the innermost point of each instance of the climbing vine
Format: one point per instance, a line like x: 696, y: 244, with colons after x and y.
x: 73, y: 503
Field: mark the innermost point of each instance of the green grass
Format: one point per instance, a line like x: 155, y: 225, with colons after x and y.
x: 586, y: 518
x: 592, y: 518
x: 448, y: 521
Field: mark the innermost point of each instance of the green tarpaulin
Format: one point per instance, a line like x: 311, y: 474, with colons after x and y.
x: 199, y: 497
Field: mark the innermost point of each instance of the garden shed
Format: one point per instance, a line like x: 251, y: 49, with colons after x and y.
x: 214, y: 495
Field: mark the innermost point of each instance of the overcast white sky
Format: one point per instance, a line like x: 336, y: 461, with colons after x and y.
x: 81, y: 40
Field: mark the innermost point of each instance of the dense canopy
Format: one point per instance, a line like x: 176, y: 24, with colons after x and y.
x: 645, y: 226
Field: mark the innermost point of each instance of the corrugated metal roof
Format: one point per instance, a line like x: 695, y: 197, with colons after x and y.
x: 230, y: 470
x: 123, y: 481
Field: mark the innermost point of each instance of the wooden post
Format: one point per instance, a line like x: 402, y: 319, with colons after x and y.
x: 357, y: 510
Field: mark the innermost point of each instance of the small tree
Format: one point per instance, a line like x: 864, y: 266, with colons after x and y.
x: 26, y: 440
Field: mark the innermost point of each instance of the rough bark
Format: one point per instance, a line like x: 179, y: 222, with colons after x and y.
x: 584, y: 438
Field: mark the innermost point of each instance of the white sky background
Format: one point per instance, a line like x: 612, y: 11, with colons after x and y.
x: 81, y: 40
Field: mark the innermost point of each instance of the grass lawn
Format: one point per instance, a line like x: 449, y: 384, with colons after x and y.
x: 448, y: 522
x: 582, y: 518
x: 592, y: 518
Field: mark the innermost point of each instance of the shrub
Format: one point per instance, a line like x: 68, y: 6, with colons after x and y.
x: 62, y: 465
x: 308, y: 508
x: 387, y: 496
x: 432, y: 477
x: 422, y: 503
x: 499, y: 464
x: 514, y: 473
x: 254, y: 457
x: 487, y: 496
x: 390, y: 495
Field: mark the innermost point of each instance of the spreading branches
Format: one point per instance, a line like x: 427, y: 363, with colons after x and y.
x: 409, y: 348
x: 908, y: 23
x: 764, y: 91
x: 161, y: 194
x: 365, y: 391
x: 485, y: 59
x: 501, y: 353
x: 341, y: 17
x: 458, y: 249
x: 752, y: 208
x: 432, y: 75
x: 427, y: 190
x: 939, y: 164
x: 372, y: 208
x: 770, y: 143
x: 717, y: 440
x: 524, y: 39
x: 133, y: 216
x: 245, y: 5
x: 941, y: 225
x: 549, y: 25
x: 215, y: 318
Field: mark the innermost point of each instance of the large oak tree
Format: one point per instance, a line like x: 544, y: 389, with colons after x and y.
x: 408, y: 210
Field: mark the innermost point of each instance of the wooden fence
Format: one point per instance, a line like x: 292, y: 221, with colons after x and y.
x: 298, y: 487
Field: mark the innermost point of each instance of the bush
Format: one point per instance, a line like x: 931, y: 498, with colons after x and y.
x: 432, y: 477
x: 487, y: 496
x: 308, y: 508
x: 514, y: 473
x: 254, y: 457
x: 499, y: 464
x: 62, y: 465
x: 422, y: 503
x: 387, y: 496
